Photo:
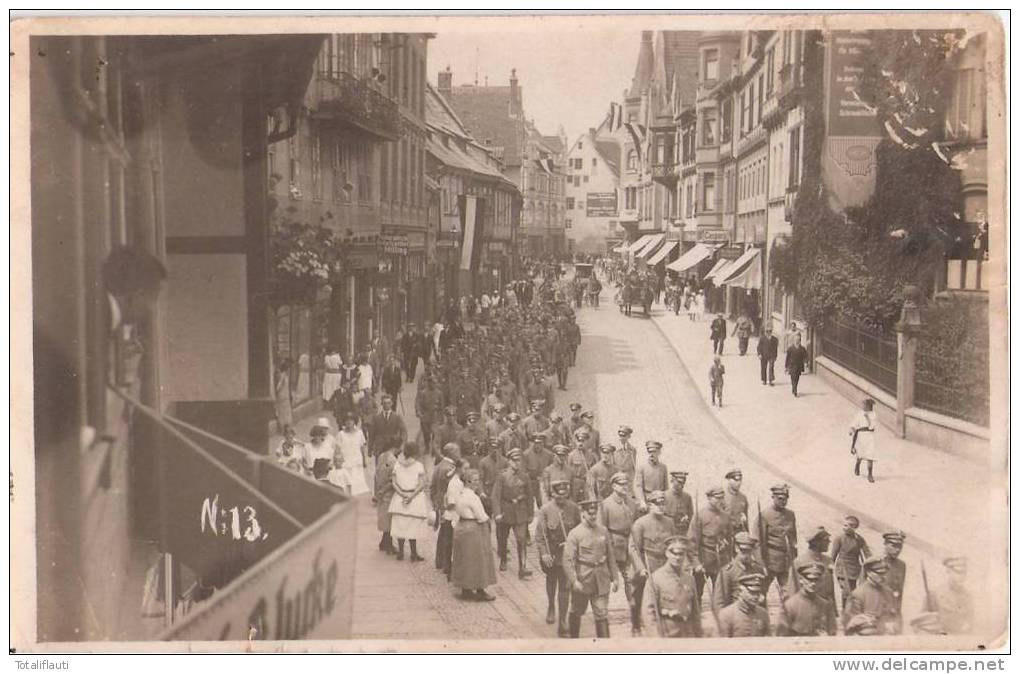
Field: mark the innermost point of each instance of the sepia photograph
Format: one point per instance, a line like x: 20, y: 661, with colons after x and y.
x: 632, y: 333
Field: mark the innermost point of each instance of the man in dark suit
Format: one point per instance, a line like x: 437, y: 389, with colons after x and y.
x: 387, y: 428
x: 768, y: 351
x: 410, y: 349
x: 391, y: 377
x: 796, y: 362
x: 718, y: 328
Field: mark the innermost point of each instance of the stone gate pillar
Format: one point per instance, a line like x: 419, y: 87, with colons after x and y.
x: 908, y: 331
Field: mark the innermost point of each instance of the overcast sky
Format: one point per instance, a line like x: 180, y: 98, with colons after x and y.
x: 568, y: 76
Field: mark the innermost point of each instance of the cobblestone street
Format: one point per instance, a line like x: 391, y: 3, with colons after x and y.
x: 636, y: 371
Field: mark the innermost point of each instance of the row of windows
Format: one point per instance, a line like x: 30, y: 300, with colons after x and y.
x: 578, y: 162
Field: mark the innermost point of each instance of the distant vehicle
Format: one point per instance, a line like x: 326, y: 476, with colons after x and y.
x: 583, y: 270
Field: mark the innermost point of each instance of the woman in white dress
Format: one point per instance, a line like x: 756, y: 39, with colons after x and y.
x: 409, y: 507
x: 350, y: 456
x: 332, y: 377
x: 699, y: 305
x: 862, y: 442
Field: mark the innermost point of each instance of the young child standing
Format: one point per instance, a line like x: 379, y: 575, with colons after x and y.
x: 715, y: 379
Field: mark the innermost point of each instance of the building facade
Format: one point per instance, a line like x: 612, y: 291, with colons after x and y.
x: 592, y: 202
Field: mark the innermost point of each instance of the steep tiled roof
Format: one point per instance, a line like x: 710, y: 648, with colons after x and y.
x: 554, y: 143
x: 644, y: 68
x: 609, y: 150
x: 485, y: 112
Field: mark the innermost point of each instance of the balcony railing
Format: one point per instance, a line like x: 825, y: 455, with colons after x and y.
x: 665, y: 174
x: 348, y: 99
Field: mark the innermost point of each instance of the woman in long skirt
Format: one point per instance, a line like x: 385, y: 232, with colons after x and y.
x: 862, y: 443
x: 473, y: 568
x: 409, y: 508
x: 332, y: 377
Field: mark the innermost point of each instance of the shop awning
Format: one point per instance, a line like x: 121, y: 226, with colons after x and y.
x: 720, y: 267
x: 621, y: 249
x: 639, y: 244
x: 649, y: 247
x: 663, y: 253
x: 691, y: 257
x: 745, y: 271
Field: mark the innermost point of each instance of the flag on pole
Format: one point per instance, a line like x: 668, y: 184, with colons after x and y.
x: 471, y: 226
x: 615, y: 117
x: 637, y: 133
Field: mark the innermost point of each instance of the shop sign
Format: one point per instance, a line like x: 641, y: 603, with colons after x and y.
x: 393, y: 244
x: 304, y: 590
x: 713, y: 236
x: 731, y: 252
x: 601, y: 204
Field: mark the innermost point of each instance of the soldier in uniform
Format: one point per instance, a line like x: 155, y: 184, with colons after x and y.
x: 679, y: 504
x: 896, y: 577
x: 736, y: 502
x: 648, y: 537
x: 489, y: 469
x: 578, y: 459
x: 495, y: 426
x: 650, y: 476
x: 625, y: 459
x: 871, y: 608
x: 590, y: 567
x: 818, y: 544
x: 555, y: 519
x: 712, y: 535
x: 588, y: 417
x: 471, y: 438
x: 952, y: 602
x: 601, y: 473
x: 575, y: 421
x: 807, y: 613
x: 728, y: 582
x: 559, y: 470
x: 585, y: 444
x: 512, y: 501
x: 848, y: 551
x: 675, y: 594
x: 746, y: 617
x: 513, y: 436
x: 536, y: 458
x: 616, y: 514
x: 557, y: 430
x: 536, y: 422
x: 428, y: 406
x: 777, y: 528
x: 446, y: 432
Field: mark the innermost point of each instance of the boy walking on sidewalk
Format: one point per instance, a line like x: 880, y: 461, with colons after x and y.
x: 715, y: 379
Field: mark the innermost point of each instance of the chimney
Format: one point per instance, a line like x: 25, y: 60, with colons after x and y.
x: 516, y: 105
x: 446, y: 81
x: 591, y: 131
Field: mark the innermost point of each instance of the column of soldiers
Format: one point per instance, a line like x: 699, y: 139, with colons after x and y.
x: 603, y: 519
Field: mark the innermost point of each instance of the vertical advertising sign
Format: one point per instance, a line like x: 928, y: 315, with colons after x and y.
x: 849, y: 166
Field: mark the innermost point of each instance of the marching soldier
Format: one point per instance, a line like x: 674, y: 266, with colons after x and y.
x: 585, y: 445
x: 896, y: 578
x: 777, y: 529
x: 489, y: 469
x: 575, y: 421
x: 446, y: 432
x: 513, y: 436
x: 588, y: 417
x: 728, y: 582
x: 625, y: 459
x: 650, y: 476
x: 512, y: 500
x: 712, y: 537
x: 746, y: 617
x: 616, y: 514
x: 952, y: 602
x: 736, y: 501
x: 472, y: 437
x: 535, y: 459
x: 577, y: 460
x: 559, y: 470
x: 818, y: 544
x: 495, y: 426
x: 848, y: 551
x: 648, y: 537
x: 537, y: 421
x: 555, y: 519
x: 590, y: 567
x: 679, y: 504
x: 871, y: 608
x: 557, y: 429
x: 675, y: 594
x: 600, y: 475
x: 807, y: 614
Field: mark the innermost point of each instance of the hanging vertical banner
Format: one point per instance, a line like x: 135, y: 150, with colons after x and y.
x: 851, y: 124
x: 471, y: 226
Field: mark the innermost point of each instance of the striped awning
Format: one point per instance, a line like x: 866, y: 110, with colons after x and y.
x: 639, y: 244
x: 692, y: 257
x: 745, y: 271
x: 663, y: 253
x: 720, y: 267
x: 649, y: 247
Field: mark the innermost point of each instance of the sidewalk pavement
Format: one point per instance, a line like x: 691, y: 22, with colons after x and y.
x: 941, y: 501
